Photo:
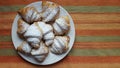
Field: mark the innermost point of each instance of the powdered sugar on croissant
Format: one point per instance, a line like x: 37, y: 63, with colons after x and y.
x: 37, y: 31
x: 41, y: 53
x: 33, y: 35
x: 50, y: 11
x: 48, y: 34
x: 24, y: 47
x: 60, y: 44
x: 30, y: 14
x: 61, y: 25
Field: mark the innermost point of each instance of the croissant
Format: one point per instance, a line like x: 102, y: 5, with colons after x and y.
x: 33, y: 35
x: 41, y: 53
x: 60, y: 44
x: 48, y: 34
x: 47, y: 31
x: 50, y: 11
x: 22, y: 27
x: 30, y: 14
x: 37, y: 31
x: 61, y: 25
x: 24, y: 48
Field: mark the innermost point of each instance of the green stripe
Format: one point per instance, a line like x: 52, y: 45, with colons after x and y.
x: 89, y: 9
x: 5, y: 38
x: 79, y: 39
x: 92, y: 9
x: 74, y: 52
x: 95, y: 52
x: 97, y: 39
x: 7, y: 52
x: 10, y: 8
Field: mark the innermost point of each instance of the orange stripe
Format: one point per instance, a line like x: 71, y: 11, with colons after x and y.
x: 115, y: 32
x: 61, y: 65
x: 96, y: 45
x: 6, y: 19
x: 79, y: 32
x: 69, y: 59
x: 96, y: 17
x: 111, y: 32
x: 79, y: 45
x: 67, y: 3
x: 6, y: 45
x: 96, y: 21
x: 79, y: 18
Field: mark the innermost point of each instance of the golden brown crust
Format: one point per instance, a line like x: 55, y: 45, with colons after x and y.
x: 36, y: 46
x: 45, y: 3
x: 49, y: 4
x: 20, y: 25
x: 20, y: 35
x: 19, y: 48
x: 66, y: 19
x: 53, y: 5
x: 67, y: 23
x: 28, y: 18
x: 66, y: 44
x: 20, y: 28
x: 23, y: 11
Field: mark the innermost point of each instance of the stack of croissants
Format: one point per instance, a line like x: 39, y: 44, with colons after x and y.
x: 43, y: 32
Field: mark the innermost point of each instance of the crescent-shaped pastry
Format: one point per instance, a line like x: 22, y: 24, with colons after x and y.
x: 30, y: 14
x: 33, y: 35
x: 60, y: 44
x: 24, y: 48
x: 61, y: 25
x: 41, y: 53
x: 50, y: 11
x: 48, y: 34
x: 37, y: 31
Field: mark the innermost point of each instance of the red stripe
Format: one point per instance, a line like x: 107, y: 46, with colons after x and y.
x: 6, y: 45
x: 69, y: 59
x: 8, y: 59
x: 4, y: 32
x: 66, y: 2
x: 7, y: 13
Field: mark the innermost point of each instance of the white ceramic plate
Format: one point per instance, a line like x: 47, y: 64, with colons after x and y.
x: 51, y: 58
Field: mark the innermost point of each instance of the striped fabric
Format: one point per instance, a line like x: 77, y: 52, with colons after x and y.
x: 97, y: 43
